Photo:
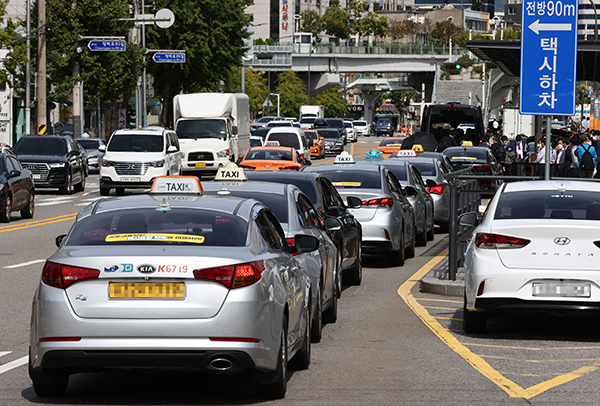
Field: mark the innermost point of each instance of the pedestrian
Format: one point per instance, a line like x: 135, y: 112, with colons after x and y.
x: 519, y: 146
x: 495, y: 127
x: 586, y: 156
x: 541, y: 157
x: 585, y: 124
x: 498, y: 150
x: 447, y: 141
x: 573, y: 170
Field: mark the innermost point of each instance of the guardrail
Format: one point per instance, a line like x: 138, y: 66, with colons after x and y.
x: 375, y: 49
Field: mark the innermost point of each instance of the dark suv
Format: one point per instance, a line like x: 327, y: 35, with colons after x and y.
x: 338, y: 124
x: 55, y: 161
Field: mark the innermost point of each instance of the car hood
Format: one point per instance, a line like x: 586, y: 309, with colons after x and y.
x: 134, y: 156
x: 41, y: 158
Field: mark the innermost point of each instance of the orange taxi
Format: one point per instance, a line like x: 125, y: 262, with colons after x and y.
x: 272, y: 158
x: 390, y: 145
x: 316, y: 144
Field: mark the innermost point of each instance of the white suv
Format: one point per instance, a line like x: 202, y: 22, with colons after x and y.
x: 133, y: 158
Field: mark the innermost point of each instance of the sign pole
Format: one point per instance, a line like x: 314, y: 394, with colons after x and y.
x: 548, y: 146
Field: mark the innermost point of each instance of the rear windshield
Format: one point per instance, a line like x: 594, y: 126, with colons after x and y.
x: 466, y: 154
x: 136, y: 143
x: 399, y: 171
x: 307, y: 120
x: 285, y: 139
x: 277, y: 203
x: 270, y: 154
x: 330, y: 134
x: 41, y: 146
x: 89, y: 144
x: 360, y: 123
x: 335, y: 123
x: 425, y: 168
x: 353, y: 179
x: 279, y: 124
x: 549, y: 204
x: 255, y: 143
x: 390, y: 143
x: 311, y: 135
x: 150, y: 227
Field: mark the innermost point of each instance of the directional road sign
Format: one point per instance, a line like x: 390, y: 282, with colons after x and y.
x: 169, y: 57
x: 102, y: 45
x: 548, y: 57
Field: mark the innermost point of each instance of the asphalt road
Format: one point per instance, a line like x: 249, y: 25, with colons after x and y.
x: 391, y: 345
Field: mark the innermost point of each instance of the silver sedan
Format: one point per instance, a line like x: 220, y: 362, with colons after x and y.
x: 172, y: 280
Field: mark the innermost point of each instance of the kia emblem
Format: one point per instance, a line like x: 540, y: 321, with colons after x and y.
x: 146, y: 268
x: 561, y: 241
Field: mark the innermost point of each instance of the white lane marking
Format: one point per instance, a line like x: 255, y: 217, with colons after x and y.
x: 3, y: 353
x: 14, y: 364
x: 37, y: 261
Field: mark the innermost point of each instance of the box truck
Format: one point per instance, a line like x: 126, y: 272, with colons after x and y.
x: 312, y: 111
x: 213, y: 129
x: 514, y: 123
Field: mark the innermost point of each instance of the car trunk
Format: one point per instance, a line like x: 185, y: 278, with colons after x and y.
x: 365, y: 213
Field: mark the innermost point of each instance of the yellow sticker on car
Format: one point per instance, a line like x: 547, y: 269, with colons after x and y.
x: 200, y: 165
x: 196, y: 239
x: 347, y: 184
x: 464, y: 157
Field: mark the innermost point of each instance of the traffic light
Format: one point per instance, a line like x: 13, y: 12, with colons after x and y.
x: 131, y: 118
x: 457, y: 66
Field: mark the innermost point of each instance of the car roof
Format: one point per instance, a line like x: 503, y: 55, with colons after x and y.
x: 140, y: 131
x: 291, y: 130
x: 360, y: 166
x: 250, y: 186
x: 271, y: 148
x: 552, y: 185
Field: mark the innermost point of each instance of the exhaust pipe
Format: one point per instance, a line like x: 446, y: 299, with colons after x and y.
x: 221, y: 364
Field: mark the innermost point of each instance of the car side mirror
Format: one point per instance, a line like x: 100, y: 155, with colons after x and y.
x: 306, y: 243
x: 354, y: 202
x: 59, y: 240
x: 307, y: 162
x: 14, y: 173
x: 333, y: 224
x: 234, y: 130
x: 430, y: 183
x: 410, y: 191
x: 470, y: 219
x: 172, y: 148
x: 102, y: 148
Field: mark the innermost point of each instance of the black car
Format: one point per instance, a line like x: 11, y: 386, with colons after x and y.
x: 480, y: 160
x: 333, y: 141
x: 90, y: 145
x: 17, y: 191
x: 328, y: 203
x: 55, y: 161
x: 338, y: 124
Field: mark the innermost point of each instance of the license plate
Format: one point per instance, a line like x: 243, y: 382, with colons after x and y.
x: 130, y: 179
x: 37, y: 176
x: 200, y: 164
x: 562, y: 289
x: 146, y: 290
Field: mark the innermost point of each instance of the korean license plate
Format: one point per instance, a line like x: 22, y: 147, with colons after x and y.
x: 130, y: 179
x: 562, y: 289
x: 200, y: 164
x: 146, y: 290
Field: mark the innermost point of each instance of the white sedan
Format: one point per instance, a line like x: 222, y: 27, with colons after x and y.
x: 537, y: 248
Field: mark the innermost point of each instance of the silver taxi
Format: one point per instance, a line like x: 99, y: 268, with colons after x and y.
x: 175, y: 280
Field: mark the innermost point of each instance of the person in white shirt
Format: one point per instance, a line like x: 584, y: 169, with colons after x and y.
x: 585, y: 124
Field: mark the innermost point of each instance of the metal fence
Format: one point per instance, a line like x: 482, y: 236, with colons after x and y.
x: 388, y: 48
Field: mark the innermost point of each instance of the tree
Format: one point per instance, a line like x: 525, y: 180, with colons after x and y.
x: 443, y: 31
x: 337, y: 21
x: 373, y: 24
x: 212, y: 32
x: 334, y: 101
x: 255, y: 87
x: 311, y: 22
x: 292, y: 93
x: 400, y: 29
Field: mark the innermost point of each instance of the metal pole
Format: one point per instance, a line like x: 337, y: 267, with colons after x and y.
x: 27, y: 129
x: 308, y: 90
x: 278, y: 114
x: 483, y: 95
x: 548, y: 146
x: 41, y: 58
x: 596, y: 18
x: 452, y: 231
x: 243, y: 76
x: 143, y: 109
x: 99, y: 117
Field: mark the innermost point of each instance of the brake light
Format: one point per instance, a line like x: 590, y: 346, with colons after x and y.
x: 235, y: 339
x: 383, y: 202
x: 63, y: 276
x: 233, y: 276
x: 483, y: 167
x: 489, y: 240
x: 56, y: 339
x: 438, y: 190
x: 245, y: 167
x: 291, y: 168
x: 481, y: 287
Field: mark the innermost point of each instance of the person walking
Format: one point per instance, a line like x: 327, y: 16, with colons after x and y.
x: 521, y: 149
x: 541, y: 157
x: 586, y: 156
x: 573, y: 170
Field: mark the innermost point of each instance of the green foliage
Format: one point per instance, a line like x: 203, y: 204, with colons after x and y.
x: 477, y: 5
x: 372, y: 24
x: 292, y: 93
x: 255, y: 87
x: 334, y: 101
x: 311, y: 22
x: 337, y: 22
x: 401, y: 98
x: 513, y: 33
x: 212, y: 33
x: 443, y: 31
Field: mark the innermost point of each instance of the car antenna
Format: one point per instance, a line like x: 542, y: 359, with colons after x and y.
x: 164, y: 206
x: 562, y: 189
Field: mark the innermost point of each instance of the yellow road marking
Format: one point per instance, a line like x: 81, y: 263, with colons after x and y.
x: 441, y: 308
x: 421, y: 299
x: 448, y: 318
x: 541, y: 361
x: 511, y: 388
x: 44, y: 222
x: 531, y: 348
x: 534, y: 375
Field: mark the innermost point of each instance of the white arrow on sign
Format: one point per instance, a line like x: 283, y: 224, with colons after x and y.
x: 536, y: 27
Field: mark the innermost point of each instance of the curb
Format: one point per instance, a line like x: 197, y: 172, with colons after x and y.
x: 431, y: 284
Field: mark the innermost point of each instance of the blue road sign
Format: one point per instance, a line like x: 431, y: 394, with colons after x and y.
x: 590, y: 92
x: 110, y: 45
x: 175, y: 57
x: 548, y: 57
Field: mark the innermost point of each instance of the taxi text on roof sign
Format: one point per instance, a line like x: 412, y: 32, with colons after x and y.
x: 344, y: 158
x: 406, y: 153
x: 231, y: 172
x: 548, y: 57
x: 176, y: 184
x: 272, y: 143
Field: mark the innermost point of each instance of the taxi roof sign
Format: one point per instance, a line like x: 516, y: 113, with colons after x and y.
x: 467, y: 144
x: 344, y: 158
x: 176, y: 184
x: 406, y: 153
x: 231, y: 172
x: 272, y: 144
x: 418, y: 148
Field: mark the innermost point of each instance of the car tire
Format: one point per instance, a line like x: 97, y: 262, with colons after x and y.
x: 443, y: 227
x: 331, y: 314
x: 80, y: 187
x: 410, y: 250
x: 421, y: 238
x: 104, y: 191
x: 474, y: 322
x: 431, y: 232
x: 277, y: 388
x: 355, y: 273
x: 5, y: 214
x: 338, y: 280
x: 29, y: 209
x: 47, y: 384
x: 397, y: 257
x: 301, y: 360
x: 120, y: 191
x: 66, y: 190
x: 316, y: 325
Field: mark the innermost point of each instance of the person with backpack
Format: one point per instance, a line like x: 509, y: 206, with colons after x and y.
x: 498, y: 150
x: 447, y: 141
x: 586, y: 156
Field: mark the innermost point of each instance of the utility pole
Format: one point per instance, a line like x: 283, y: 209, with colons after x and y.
x: 77, y: 96
x: 41, y: 57
x: 27, y: 129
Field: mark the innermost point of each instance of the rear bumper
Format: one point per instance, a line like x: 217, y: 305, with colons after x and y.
x: 520, y: 305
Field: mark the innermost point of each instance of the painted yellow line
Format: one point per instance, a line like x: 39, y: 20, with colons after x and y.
x: 475, y: 360
x: 44, y: 222
x: 511, y: 388
x: 541, y: 361
x: 421, y: 299
x: 352, y: 149
x: 534, y: 375
x: 448, y: 318
x: 441, y: 308
x: 504, y: 346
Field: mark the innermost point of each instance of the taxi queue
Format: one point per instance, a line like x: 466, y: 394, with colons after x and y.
x: 243, y: 273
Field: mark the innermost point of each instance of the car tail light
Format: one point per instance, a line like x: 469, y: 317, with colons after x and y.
x: 597, y: 244
x: 302, y: 155
x: 55, y: 339
x: 291, y: 168
x: 235, y: 339
x: 438, y: 190
x: 233, y: 276
x: 63, y: 276
x: 292, y: 243
x: 480, y: 290
x: 488, y: 240
x: 383, y: 202
x: 246, y: 167
x: 482, y: 167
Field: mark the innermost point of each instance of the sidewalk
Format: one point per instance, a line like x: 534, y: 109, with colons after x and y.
x: 436, y: 281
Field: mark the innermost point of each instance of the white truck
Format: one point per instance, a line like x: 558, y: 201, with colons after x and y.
x: 514, y: 123
x: 213, y: 129
x: 312, y: 111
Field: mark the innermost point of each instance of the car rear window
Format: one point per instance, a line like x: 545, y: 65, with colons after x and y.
x: 466, y: 154
x: 333, y: 135
x: 41, y: 146
x: 360, y: 123
x: 425, y: 168
x: 136, y: 143
x: 335, y: 123
x: 549, y: 204
x: 277, y: 203
x: 353, y: 179
x: 399, y: 171
x: 150, y: 227
x: 285, y: 139
x: 269, y: 154
x: 89, y: 144
x: 390, y: 143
